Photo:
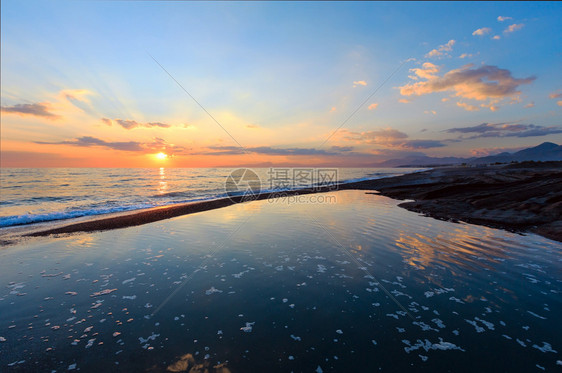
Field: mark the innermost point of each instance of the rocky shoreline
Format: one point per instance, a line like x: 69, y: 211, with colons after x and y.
x: 524, y: 197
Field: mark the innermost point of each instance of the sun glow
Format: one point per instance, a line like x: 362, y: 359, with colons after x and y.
x: 161, y: 156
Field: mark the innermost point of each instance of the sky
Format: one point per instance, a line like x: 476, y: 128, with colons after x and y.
x: 228, y: 84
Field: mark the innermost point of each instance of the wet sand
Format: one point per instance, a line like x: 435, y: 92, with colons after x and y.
x: 523, y: 197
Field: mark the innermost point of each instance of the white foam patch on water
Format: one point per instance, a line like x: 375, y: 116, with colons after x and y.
x: 478, y: 328
x: 546, y: 347
x: 488, y: 324
x: 132, y: 297
x: 321, y: 268
x: 539, y: 316
x: 129, y: 280
x: 439, y: 323
x: 248, y: 327
x: 151, y: 337
x: 212, y: 290
x: 427, y: 345
x: 424, y: 327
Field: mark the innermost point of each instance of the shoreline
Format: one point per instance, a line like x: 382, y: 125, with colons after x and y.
x: 519, y: 198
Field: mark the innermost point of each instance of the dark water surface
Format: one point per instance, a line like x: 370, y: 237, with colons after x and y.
x: 357, y: 284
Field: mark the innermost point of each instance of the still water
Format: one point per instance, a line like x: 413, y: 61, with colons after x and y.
x: 349, y: 283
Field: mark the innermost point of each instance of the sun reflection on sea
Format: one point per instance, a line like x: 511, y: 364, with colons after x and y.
x: 162, y: 184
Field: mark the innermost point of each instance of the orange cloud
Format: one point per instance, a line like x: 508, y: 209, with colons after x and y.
x: 373, y: 106
x: 484, y: 83
x: 467, y: 107
x: 442, y: 50
x: 359, y: 82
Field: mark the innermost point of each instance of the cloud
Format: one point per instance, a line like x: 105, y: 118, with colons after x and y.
x: 467, y: 107
x: 391, y: 138
x: 342, y: 148
x: 88, y: 141
x: 157, y: 144
x: 513, y: 28
x: 502, y: 18
x: 130, y: 124
x: 484, y: 83
x: 252, y: 126
x: 37, y: 110
x: 359, y: 82
x: 482, y: 31
x: 465, y: 55
x: 442, y: 50
x: 555, y: 95
x: 506, y: 130
x: 529, y: 105
x: 373, y: 106
x: 267, y: 150
x: 78, y: 98
x: 496, y: 37
x: 404, y: 101
x: 421, y: 144
x: 430, y: 112
x: 559, y: 103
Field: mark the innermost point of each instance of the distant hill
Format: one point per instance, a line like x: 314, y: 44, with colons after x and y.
x: 547, y: 151
x: 417, y: 161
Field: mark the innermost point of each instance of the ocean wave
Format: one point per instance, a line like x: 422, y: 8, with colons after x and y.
x: 178, y: 197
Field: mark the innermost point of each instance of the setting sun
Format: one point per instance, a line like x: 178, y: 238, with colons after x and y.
x: 161, y: 155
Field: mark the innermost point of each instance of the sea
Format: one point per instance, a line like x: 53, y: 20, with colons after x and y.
x: 33, y: 195
x: 342, y: 281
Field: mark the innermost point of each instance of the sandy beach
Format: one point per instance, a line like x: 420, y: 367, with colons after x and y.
x: 522, y: 198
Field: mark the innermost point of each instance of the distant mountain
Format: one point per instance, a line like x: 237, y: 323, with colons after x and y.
x: 546, y: 151
x: 417, y: 161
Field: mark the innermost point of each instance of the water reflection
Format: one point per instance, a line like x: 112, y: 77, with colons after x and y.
x: 187, y: 363
x: 453, y: 249
x: 162, y: 184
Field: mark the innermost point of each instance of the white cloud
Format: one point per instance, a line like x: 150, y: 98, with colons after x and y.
x: 496, y: 37
x: 502, y: 18
x: 513, y: 28
x: 482, y: 31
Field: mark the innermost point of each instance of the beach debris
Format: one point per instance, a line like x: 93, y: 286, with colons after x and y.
x: 103, y: 292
